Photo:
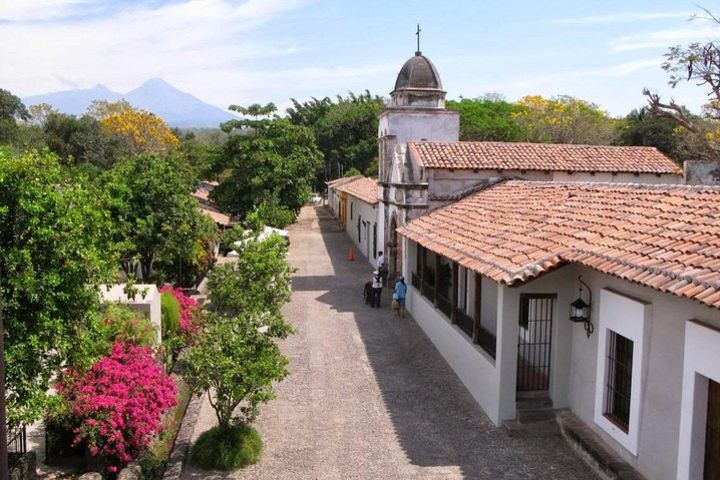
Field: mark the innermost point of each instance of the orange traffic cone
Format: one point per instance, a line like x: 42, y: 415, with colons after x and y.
x: 351, y: 254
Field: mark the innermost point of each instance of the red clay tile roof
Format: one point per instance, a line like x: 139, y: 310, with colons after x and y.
x: 217, y: 217
x: 666, y: 237
x: 203, y: 191
x: 542, y: 156
x: 364, y: 188
x: 342, y: 180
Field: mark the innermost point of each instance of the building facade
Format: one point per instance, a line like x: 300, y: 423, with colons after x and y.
x: 494, y: 279
x: 423, y: 165
x: 354, y: 201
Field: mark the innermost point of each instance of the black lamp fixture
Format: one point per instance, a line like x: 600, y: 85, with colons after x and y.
x: 580, y: 309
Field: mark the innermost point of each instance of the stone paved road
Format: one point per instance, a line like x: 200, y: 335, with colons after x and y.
x: 369, y: 397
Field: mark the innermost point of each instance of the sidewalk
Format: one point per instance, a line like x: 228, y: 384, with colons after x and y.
x: 369, y: 397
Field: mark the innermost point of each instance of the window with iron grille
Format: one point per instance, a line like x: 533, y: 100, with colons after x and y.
x: 618, y: 386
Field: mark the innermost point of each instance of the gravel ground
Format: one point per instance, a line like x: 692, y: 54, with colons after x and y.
x: 369, y: 397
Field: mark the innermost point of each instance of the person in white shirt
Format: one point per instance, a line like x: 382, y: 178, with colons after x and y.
x: 382, y: 267
x: 380, y: 261
x: 376, y: 290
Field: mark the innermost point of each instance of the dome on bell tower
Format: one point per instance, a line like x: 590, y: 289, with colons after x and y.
x: 418, y: 85
x: 418, y: 73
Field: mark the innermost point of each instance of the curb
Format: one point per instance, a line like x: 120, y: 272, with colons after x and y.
x: 181, y: 449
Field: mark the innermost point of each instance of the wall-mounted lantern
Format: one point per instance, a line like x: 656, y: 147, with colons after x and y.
x: 580, y: 309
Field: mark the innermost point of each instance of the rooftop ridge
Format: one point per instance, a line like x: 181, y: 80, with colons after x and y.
x: 662, y: 236
x: 636, y: 185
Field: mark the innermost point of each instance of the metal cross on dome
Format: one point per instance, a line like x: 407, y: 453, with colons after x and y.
x: 418, y: 37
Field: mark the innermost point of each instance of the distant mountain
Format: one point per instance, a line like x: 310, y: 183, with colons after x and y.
x: 177, y: 108
x: 74, y: 102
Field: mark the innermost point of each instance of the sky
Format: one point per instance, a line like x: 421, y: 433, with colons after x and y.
x: 256, y: 51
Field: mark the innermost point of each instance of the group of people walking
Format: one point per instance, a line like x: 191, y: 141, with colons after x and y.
x: 375, y: 286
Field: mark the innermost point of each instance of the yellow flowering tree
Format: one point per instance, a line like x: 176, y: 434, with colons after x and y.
x: 564, y: 119
x: 144, y: 131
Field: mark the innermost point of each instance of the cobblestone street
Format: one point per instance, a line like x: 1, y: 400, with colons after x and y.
x: 369, y: 397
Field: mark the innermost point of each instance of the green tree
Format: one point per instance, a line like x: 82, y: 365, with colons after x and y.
x: 202, y: 157
x: 82, y: 140
x: 256, y: 286
x: 698, y: 136
x: 564, y: 119
x: 12, y: 111
x: 487, y: 118
x: 346, y: 130
x: 266, y: 160
x: 39, y: 113
x: 158, y: 224
x: 234, y: 362
x: 641, y: 128
x: 54, y: 246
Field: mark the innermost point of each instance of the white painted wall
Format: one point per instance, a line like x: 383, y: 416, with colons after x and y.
x: 408, y: 124
x: 147, y: 301
x: 660, y: 411
x: 475, y: 368
x: 366, y: 213
x: 672, y: 378
x: 702, y: 362
x: 446, y: 181
x: 651, y: 178
x: 628, y: 317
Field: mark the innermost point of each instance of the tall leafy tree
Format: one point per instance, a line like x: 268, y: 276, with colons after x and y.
x: 40, y: 112
x: 257, y: 285
x: 236, y: 359
x: 266, y: 160
x: 640, y: 127
x: 83, y: 140
x: 143, y: 130
x: 698, y: 135
x: 564, y: 119
x: 345, y: 129
x: 159, y: 225
x: 487, y: 118
x: 54, y: 246
x: 12, y: 111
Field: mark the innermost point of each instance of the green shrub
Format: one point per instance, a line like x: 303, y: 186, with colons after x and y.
x: 228, y: 449
x: 123, y: 324
x: 170, y: 309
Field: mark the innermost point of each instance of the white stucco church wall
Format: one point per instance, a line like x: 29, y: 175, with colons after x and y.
x: 361, y: 226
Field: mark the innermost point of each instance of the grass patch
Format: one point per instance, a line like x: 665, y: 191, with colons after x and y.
x: 227, y: 450
x: 155, y: 459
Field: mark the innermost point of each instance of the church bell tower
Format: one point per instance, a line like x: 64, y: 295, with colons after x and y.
x: 416, y: 111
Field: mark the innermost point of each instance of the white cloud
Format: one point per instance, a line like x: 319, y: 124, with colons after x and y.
x: 31, y: 10
x: 665, y: 38
x: 624, y: 17
x: 617, y: 70
x: 189, y: 43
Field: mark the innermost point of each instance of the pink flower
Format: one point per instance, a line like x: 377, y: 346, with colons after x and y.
x: 120, y: 402
x: 190, y: 316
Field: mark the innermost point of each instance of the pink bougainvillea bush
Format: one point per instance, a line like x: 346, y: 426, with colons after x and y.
x: 190, y: 316
x: 118, y: 405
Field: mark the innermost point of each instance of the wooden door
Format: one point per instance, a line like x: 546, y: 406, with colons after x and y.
x: 712, y: 433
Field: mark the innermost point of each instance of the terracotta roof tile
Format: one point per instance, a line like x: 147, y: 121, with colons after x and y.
x: 341, y: 181
x: 217, y: 217
x: 364, y: 188
x: 516, y: 230
x: 542, y: 156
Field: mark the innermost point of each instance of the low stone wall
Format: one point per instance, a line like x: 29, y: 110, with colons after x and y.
x: 181, y: 449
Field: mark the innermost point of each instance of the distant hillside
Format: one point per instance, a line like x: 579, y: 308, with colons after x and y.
x: 74, y: 102
x: 177, y: 108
